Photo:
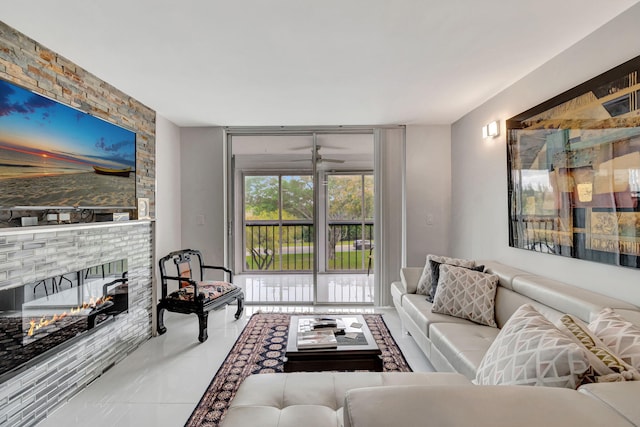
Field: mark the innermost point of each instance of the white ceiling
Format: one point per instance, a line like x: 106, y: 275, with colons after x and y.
x: 304, y: 63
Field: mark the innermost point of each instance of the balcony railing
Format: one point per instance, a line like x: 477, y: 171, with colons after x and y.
x: 271, y: 246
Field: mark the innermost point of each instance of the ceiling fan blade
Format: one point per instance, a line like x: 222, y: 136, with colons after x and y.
x: 320, y: 160
x: 319, y: 146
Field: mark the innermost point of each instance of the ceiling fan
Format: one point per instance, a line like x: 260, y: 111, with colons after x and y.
x: 319, y: 158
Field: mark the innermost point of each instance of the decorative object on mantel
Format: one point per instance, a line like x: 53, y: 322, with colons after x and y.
x: 260, y: 349
x: 574, y: 171
x: 143, y: 208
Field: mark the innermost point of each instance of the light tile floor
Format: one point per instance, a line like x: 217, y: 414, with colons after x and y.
x: 161, y: 382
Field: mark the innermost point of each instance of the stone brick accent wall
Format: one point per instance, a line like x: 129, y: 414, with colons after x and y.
x: 25, y: 62
x: 35, y: 253
x: 31, y: 254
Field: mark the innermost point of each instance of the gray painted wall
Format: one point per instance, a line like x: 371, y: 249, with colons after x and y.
x: 479, y: 167
x: 168, y: 192
x: 202, y: 177
x: 428, y: 190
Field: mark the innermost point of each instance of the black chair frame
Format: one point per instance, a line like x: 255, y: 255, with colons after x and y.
x: 198, y: 305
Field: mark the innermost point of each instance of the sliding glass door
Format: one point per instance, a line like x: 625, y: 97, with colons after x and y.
x: 349, y: 222
x: 303, y: 217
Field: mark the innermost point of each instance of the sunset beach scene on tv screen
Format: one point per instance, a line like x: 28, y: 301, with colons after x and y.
x: 52, y: 155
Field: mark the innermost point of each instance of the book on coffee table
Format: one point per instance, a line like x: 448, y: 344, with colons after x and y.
x: 336, y: 325
x: 316, y: 339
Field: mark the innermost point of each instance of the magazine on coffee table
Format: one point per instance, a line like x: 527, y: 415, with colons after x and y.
x: 336, y: 325
x: 316, y: 339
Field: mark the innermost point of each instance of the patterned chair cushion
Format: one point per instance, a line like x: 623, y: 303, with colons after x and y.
x: 530, y: 350
x: 210, y: 289
x: 620, y: 335
x: 467, y: 294
x: 424, y: 284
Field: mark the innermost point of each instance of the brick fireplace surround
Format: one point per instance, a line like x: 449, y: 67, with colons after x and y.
x: 35, y: 253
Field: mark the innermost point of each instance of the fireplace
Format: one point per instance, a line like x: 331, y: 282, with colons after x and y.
x: 39, y: 318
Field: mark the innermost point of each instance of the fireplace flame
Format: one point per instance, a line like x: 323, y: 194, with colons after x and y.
x: 43, y: 321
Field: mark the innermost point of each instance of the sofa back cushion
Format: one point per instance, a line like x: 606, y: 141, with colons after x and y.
x: 508, y: 301
x: 505, y: 273
x: 568, y: 299
x: 550, y: 297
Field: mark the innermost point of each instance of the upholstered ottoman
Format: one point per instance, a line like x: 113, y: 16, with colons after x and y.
x: 313, y: 399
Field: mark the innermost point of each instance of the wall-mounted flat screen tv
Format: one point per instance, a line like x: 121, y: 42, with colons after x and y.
x: 54, y: 156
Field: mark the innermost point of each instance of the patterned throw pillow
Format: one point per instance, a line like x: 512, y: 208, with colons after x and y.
x: 466, y: 293
x: 530, y: 350
x: 607, y: 367
x: 435, y: 277
x: 424, y: 284
x: 620, y: 335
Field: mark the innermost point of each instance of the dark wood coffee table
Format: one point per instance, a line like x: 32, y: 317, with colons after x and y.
x: 343, y: 358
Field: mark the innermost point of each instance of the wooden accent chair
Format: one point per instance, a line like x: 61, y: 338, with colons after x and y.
x: 195, y: 294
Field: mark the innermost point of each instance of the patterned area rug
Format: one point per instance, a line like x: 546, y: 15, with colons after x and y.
x: 260, y: 349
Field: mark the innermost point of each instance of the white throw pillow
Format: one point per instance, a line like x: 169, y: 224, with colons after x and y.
x: 424, y: 284
x: 530, y: 350
x: 606, y: 366
x: 467, y: 294
x: 620, y: 335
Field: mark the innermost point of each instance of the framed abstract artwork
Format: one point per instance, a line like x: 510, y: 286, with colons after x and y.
x: 574, y: 171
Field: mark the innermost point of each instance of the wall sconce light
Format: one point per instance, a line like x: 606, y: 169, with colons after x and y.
x: 491, y: 130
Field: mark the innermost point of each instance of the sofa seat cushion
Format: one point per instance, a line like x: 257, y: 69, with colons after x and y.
x: 463, y: 345
x: 313, y: 398
x: 419, y: 310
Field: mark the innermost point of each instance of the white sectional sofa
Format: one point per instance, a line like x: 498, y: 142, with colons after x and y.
x: 456, y: 346
x: 453, y: 344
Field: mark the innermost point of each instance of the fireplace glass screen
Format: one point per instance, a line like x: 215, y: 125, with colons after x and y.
x: 43, y: 315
